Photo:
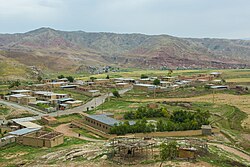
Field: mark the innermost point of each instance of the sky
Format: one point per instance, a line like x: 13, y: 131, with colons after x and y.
x: 182, y: 18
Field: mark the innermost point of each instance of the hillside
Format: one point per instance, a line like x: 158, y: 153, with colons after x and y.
x: 56, y: 50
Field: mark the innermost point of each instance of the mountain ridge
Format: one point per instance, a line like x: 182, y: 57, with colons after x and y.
x: 80, y: 48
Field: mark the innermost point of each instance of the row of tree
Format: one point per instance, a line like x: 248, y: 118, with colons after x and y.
x: 141, y: 126
x: 177, y: 121
x: 144, y: 112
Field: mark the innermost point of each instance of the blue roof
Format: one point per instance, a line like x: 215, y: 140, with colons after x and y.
x: 24, y: 131
x: 104, y: 119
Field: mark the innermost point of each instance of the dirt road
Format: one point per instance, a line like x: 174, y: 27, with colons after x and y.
x: 232, y: 150
x: 67, y: 131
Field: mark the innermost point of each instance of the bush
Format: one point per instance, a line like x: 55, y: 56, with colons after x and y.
x: 116, y: 94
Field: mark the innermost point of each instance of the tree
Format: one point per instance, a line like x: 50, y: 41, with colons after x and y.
x: 170, y: 72
x: 157, y: 82
x: 39, y: 78
x: 15, y: 84
x: 70, y: 79
x: 60, y: 76
x: 163, y: 153
x: 92, y: 78
x: 144, y: 76
x: 107, y: 77
x: 116, y: 94
x: 168, y: 151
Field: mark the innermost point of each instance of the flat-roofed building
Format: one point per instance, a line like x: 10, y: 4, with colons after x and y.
x: 28, y: 99
x: 22, y: 91
x: 74, y: 103
x: 42, y: 139
x: 16, y: 97
x: 123, y: 85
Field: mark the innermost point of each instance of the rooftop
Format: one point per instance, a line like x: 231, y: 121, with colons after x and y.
x: 104, y: 119
x: 18, y: 95
x: 29, y: 125
x: 23, y: 131
x: 25, y: 119
x: 20, y: 91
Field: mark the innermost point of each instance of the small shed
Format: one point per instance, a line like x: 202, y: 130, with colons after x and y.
x: 48, y: 120
x: 206, y: 130
x: 187, y: 153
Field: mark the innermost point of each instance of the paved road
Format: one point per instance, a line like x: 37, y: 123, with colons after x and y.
x: 95, y: 102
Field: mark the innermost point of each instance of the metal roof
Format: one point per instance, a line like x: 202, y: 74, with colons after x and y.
x: 29, y: 125
x: 24, y: 131
x: 104, y: 119
x: 25, y: 119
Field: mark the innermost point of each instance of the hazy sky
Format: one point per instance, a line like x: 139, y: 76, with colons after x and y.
x: 183, y: 18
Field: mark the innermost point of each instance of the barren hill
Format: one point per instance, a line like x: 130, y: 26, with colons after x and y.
x: 56, y: 50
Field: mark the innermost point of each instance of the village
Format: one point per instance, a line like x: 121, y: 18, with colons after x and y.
x: 61, y: 108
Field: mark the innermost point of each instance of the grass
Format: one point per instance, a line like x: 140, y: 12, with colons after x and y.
x: 66, y: 119
x: 14, y: 154
x: 4, y: 110
x: 86, y: 133
x: 219, y: 157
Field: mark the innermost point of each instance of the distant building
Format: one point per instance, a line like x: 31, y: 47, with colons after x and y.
x: 216, y: 74
x: 24, y: 92
x: 48, y: 120
x: 206, y: 130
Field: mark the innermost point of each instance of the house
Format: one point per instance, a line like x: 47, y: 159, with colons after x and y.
x: 187, y: 153
x: 62, y: 80
x: 42, y: 139
x: 206, y: 130
x: 144, y: 87
x: 219, y: 87
x: 125, y: 80
x: 169, y: 79
x: 74, y: 103
x: 7, y: 140
x: 21, y: 132
x: 122, y: 85
x: 102, y: 81
x: 28, y: 99
x: 146, y: 81
x: 56, y: 84
x: 48, y: 96
x: 165, y: 83
x: 215, y: 74
x: 69, y: 87
x: 24, y: 92
x: 101, y: 122
x: 48, y: 120
x: 92, y: 93
x: 16, y: 97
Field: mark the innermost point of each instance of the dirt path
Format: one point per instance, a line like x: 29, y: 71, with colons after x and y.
x: 240, y: 101
x: 232, y: 150
x: 66, y: 130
